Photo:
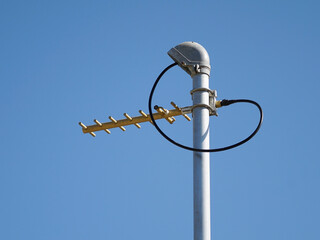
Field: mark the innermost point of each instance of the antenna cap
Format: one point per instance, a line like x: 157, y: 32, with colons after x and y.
x: 191, y: 57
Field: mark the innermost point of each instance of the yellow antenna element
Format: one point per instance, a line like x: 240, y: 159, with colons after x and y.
x: 115, y: 121
x: 176, y: 107
x: 130, y: 118
x: 92, y: 134
x: 145, y: 115
x: 161, y: 113
x: 164, y: 113
x: 97, y: 122
x: 84, y: 127
x: 100, y: 124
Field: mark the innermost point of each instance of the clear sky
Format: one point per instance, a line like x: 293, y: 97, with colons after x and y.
x: 62, y: 62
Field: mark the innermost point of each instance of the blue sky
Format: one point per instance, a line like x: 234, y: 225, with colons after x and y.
x: 62, y: 62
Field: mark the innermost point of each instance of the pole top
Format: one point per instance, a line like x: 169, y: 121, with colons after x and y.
x: 191, y: 57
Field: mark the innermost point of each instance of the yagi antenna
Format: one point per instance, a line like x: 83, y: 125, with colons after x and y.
x: 194, y: 59
x: 162, y: 113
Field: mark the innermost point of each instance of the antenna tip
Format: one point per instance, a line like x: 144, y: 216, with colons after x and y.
x: 82, y: 125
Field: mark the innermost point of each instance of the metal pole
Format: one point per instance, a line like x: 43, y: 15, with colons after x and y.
x: 194, y: 59
x: 201, y: 160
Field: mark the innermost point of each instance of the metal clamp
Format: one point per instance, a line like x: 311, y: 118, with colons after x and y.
x: 212, y: 100
x: 211, y: 92
x: 212, y: 111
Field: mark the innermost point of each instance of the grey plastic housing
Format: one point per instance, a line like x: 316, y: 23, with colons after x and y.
x: 191, y: 57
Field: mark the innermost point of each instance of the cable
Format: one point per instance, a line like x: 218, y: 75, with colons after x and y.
x: 223, y: 103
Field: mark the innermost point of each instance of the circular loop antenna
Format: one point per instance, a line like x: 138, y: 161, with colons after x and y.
x: 196, y: 149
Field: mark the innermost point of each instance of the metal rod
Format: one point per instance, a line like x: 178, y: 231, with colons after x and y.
x: 130, y: 118
x: 115, y: 122
x: 82, y: 125
x: 201, y: 160
x: 164, y: 113
x: 125, y: 122
x: 176, y: 107
x: 97, y: 122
